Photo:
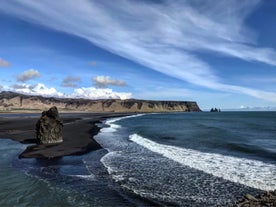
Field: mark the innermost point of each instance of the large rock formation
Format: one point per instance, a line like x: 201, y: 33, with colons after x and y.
x: 49, y: 127
x: 10, y: 101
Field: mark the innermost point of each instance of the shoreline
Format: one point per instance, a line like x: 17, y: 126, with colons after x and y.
x: 78, y: 139
x: 78, y: 132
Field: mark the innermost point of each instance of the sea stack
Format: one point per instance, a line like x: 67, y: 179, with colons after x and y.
x: 49, y: 127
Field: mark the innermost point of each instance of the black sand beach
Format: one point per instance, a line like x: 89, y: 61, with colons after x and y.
x: 78, y: 132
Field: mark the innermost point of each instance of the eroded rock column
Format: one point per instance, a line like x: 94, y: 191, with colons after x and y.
x: 49, y: 127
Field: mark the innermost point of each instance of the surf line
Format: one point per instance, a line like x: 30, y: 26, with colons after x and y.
x: 252, y: 173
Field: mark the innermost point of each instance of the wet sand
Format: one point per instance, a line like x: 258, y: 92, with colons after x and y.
x: 78, y: 132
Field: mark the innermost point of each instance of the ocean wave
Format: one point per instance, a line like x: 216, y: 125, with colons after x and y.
x: 160, y: 172
x: 140, y: 171
x: 114, y: 127
x: 85, y: 177
x: 112, y: 120
x: 252, y: 173
x: 253, y: 149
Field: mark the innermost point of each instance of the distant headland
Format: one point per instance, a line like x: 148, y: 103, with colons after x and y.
x: 15, y: 102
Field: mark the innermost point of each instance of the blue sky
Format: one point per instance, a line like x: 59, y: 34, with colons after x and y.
x: 218, y: 53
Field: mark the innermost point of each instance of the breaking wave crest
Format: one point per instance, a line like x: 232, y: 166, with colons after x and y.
x: 174, y: 175
x: 252, y: 173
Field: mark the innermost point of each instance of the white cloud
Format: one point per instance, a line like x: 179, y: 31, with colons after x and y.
x: 163, y: 37
x: 21, y: 86
x: 70, y: 81
x: 37, y: 89
x: 87, y: 93
x: 99, y: 93
x: 243, y: 107
x: 28, y: 75
x: 104, y: 81
x: 4, y: 63
x: 257, y: 108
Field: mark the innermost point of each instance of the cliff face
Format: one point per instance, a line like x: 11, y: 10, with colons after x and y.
x: 10, y: 101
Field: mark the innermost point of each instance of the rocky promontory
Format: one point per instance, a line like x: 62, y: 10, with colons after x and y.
x: 10, y: 101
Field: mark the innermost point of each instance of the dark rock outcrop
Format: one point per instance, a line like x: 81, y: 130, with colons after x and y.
x: 49, y: 127
x: 214, y: 110
x: 266, y: 199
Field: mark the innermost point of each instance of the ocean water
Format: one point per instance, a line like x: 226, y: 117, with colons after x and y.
x: 174, y: 159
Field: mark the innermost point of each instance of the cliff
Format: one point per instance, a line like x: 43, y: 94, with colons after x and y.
x: 10, y: 101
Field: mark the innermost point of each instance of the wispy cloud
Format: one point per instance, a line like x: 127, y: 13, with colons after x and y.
x: 4, y: 63
x: 28, y: 75
x: 70, y: 81
x: 265, y: 79
x: 265, y: 95
x: 163, y: 37
x: 105, y: 81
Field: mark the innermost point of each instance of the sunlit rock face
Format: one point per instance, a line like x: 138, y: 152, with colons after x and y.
x: 10, y: 101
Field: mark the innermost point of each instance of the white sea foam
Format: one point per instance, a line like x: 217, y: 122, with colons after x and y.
x: 114, y: 127
x: 111, y: 121
x: 85, y: 177
x: 252, y: 173
x: 140, y: 170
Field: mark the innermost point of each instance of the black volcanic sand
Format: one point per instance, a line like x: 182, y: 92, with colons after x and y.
x: 78, y: 132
